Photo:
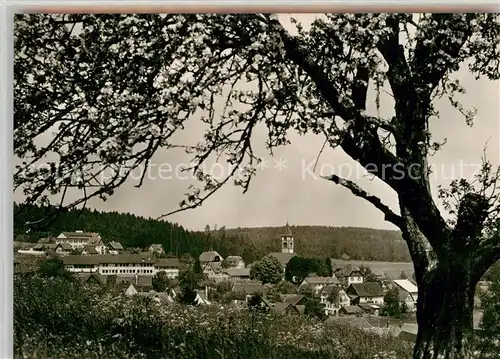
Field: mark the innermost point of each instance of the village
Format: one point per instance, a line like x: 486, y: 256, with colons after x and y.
x: 348, y: 296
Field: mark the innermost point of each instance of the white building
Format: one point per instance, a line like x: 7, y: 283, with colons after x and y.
x: 287, y: 241
x: 168, y: 265
x: 349, y: 275
x: 122, y: 264
x: 80, y: 239
x: 234, y: 262
x: 210, y: 257
x: 332, y: 308
x: 114, y: 247
x: 366, y: 293
x: 408, y: 293
x: 318, y: 283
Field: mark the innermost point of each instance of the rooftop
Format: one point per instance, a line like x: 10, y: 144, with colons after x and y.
x: 368, y: 289
x: 283, y: 258
x: 209, y: 256
x: 406, y: 285
x: 115, y: 245
x: 108, y: 258
x: 291, y: 298
x: 238, y: 272
x: 167, y: 262
x: 322, y: 280
x: 287, y: 232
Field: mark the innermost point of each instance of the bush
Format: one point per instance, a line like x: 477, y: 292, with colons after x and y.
x: 56, y: 318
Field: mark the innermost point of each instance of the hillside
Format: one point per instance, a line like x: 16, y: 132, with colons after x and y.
x: 312, y: 241
x: 250, y: 243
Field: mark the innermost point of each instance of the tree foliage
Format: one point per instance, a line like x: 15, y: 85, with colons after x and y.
x: 300, y: 268
x: 53, y: 268
x: 160, y: 282
x: 392, y: 307
x: 267, y: 270
x: 334, y: 296
x: 121, y: 86
x: 314, y: 308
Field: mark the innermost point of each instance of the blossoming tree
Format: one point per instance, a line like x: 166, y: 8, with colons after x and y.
x: 115, y: 88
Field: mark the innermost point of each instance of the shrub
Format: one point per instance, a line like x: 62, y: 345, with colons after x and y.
x: 56, y: 318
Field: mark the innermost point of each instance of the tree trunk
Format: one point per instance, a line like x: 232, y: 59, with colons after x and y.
x: 445, y: 312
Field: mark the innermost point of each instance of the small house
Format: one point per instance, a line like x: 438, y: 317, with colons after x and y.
x: 156, y: 248
x: 114, y: 247
x: 234, y: 262
x: 89, y: 251
x: 237, y: 273
x: 168, y: 265
x: 349, y: 275
x: 408, y: 293
x: 371, y: 309
x: 370, y: 292
x: 351, y: 310
x: 201, y: 298
x: 318, y: 283
x: 213, y: 271
x: 333, y: 307
x: 210, y: 257
x: 286, y: 308
x: 293, y: 299
x: 130, y: 291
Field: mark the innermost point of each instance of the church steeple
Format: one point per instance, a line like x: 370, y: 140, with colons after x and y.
x: 287, y: 240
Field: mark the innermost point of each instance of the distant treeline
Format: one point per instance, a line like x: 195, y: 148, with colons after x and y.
x: 249, y: 243
x: 336, y: 242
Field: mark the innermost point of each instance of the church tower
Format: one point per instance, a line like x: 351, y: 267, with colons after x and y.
x: 287, y: 242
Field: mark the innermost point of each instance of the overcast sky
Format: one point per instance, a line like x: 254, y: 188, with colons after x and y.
x: 293, y: 194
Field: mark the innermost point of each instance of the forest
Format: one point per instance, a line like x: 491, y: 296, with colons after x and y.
x: 34, y: 222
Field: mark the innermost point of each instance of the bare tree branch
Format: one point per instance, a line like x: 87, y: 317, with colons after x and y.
x: 356, y: 190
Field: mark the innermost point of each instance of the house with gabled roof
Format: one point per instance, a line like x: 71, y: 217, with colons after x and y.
x: 293, y: 299
x: 263, y: 303
x: 213, y: 271
x: 287, y: 308
x: 333, y: 307
x: 369, y: 292
x: 79, y: 239
x: 246, y: 289
x: 349, y: 275
x: 130, y: 291
x: 156, y: 248
x: 114, y: 247
x: 408, y: 293
x: 92, y: 278
x: 210, y: 257
x: 168, y: 265
x: 234, y: 262
x: 318, y: 283
x: 370, y: 308
x: 201, y: 298
x: 237, y: 273
x: 351, y: 310
x: 283, y: 258
x: 89, y: 251
x: 141, y: 283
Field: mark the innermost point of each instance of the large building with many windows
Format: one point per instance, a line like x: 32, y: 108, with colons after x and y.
x: 122, y: 264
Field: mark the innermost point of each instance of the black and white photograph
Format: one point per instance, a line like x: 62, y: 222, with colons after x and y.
x: 256, y: 185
